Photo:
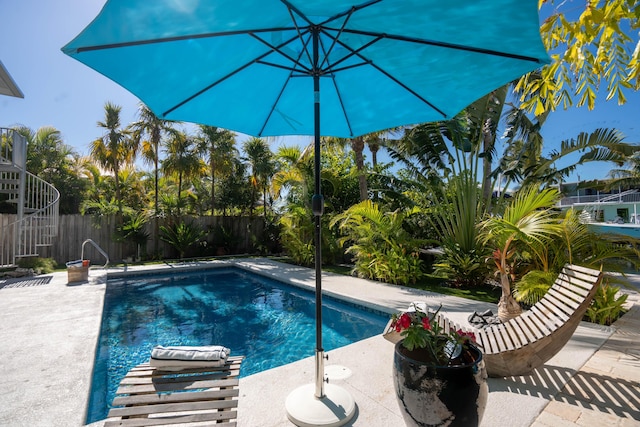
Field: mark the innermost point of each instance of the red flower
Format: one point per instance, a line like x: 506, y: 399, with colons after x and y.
x: 426, y: 324
x: 469, y: 335
x: 403, y: 322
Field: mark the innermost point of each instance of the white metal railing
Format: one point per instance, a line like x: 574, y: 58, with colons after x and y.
x: 628, y: 196
x: 36, y: 200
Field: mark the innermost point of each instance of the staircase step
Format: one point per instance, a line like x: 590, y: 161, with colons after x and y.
x: 8, y: 191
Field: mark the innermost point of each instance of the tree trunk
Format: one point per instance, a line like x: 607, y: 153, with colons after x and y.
x: 357, y: 145
x: 213, y: 188
x: 508, y: 307
x: 156, y: 223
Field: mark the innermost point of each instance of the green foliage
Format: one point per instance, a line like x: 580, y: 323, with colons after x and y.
x: 297, y: 235
x: 607, y: 305
x: 527, y: 224
x: 462, y: 268
x: 381, y: 247
x: 533, y: 285
x: 591, y: 51
x: 39, y: 265
x: 133, y: 230
x: 182, y: 236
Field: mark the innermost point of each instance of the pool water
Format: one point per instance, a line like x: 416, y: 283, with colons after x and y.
x: 268, y: 322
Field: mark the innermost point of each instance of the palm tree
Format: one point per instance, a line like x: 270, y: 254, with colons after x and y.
x: 182, y: 160
x: 627, y: 177
x: 262, y: 166
x: 148, y: 124
x: 527, y: 222
x: 115, y: 148
x: 295, y: 173
x: 219, y: 146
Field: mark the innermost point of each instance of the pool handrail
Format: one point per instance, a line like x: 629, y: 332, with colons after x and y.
x: 98, y: 248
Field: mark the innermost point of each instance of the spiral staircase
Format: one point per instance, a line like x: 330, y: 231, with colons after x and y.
x: 35, y: 222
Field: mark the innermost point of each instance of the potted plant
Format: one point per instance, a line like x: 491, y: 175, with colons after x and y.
x: 439, y: 375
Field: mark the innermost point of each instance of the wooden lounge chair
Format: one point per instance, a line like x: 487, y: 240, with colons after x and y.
x: 524, y: 343
x: 149, y: 396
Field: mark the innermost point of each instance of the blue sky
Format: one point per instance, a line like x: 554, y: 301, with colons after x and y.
x: 63, y: 93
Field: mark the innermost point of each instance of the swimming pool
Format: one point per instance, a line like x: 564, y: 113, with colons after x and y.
x: 269, y: 322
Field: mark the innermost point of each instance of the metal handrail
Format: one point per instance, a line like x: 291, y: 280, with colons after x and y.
x: 99, y: 249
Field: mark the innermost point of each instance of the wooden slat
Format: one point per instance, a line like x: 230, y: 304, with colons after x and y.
x: 186, y: 406
x: 561, y: 294
x: 513, y: 334
x: 491, y: 340
x: 531, y: 323
x: 178, y: 420
x: 586, y: 275
x: 522, y: 335
x: 139, y: 399
x: 550, y: 321
x: 573, y: 285
x: 481, y: 340
x: 167, y: 387
x: 503, y: 341
x: 159, y: 380
x: 531, y: 337
x: 561, y: 309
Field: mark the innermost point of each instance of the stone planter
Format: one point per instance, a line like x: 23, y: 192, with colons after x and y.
x: 432, y: 396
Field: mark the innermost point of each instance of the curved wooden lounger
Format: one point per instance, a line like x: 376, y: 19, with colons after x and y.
x: 149, y: 396
x: 524, y: 343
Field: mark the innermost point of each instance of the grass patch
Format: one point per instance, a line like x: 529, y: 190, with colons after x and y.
x: 485, y: 293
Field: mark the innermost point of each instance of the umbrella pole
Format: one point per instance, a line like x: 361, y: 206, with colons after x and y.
x: 328, y: 405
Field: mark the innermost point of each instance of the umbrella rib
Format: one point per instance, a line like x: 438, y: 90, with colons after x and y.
x: 278, y: 50
x: 404, y: 86
x: 177, y: 38
x: 217, y: 82
x: 284, y: 86
x: 335, y: 17
x: 295, y: 24
x: 353, y: 52
x: 234, y: 72
x: 335, y: 39
x: 344, y: 110
x: 445, y: 45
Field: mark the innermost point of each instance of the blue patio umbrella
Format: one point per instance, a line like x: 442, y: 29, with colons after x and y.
x: 311, y: 67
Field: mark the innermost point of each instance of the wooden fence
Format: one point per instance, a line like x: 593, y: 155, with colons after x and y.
x: 225, y: 235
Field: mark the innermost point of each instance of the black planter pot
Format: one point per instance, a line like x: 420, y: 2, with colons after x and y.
x: 433, y: 396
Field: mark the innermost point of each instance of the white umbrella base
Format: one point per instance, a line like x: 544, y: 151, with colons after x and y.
x: 304, y: 409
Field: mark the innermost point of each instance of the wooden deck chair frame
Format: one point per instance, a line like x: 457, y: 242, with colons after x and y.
x: 150, y: 396
x: 524, y: 343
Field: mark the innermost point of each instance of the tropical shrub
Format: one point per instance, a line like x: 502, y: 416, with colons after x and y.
x: 607, y: 305
x: 181, y: 236
x: 133, y: 231
x: 297, y: 235
x: 461, y: 268
x: 39, y: 265
x: 382, y: 249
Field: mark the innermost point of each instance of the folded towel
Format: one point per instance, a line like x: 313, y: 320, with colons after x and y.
x: 180, y: 365
x: 189, y: 354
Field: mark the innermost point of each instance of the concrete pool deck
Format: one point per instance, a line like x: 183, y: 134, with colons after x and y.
x: 49, y: 333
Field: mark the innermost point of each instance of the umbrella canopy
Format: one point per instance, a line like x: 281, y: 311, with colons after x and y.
x: 311, y: 67
x: 242, y: 65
